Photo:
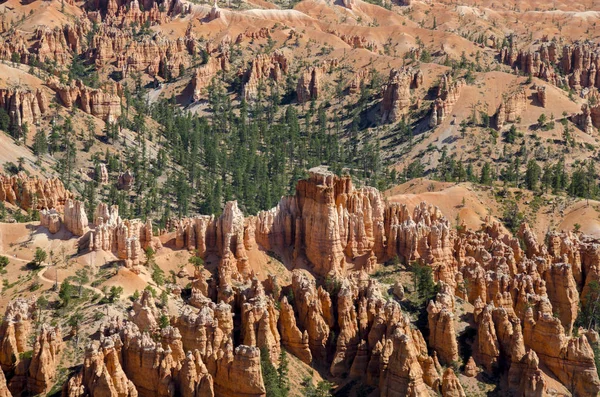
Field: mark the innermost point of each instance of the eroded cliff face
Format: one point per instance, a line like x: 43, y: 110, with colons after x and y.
x: 512, y: 106
x: 525, y: 296
x: 447, y: 96
x: 525, y: 306
x: 397, y: 93
x: 263, y: 69
x: 33, y: 193
x: 24, y: 107
x: 329, y: 223
x: 102, y: 103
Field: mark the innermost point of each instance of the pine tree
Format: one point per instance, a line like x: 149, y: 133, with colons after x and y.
x: 40, y: 143
x: 486, y: 177
x: 532, y: 175
x: 283, y: 373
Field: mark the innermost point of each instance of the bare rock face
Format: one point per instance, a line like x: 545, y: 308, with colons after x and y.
x: 24, y: 107
x: 203, y: 76
x: 451, y: 387
x: 75, y: 218
x: 102, y: 103
x: 103, y: 176
x: 542, y: 96
x: 488, y: 348
x: 210, y: 332
x: 51, y: 220
x: 4, y: 392
x: 398, y: 290
x: 259, y: 321
x: 239, y: 373
x: 144, y: 312
x: 531, y: 380
x: 313, y: 314
x: 562, y: 292
x: 442, y: 335
x: 15, y: 330
x: 194, y: 379
x: 51, y: 45
x: 33, y: 193
x: 471, y: 368
x: 292, y: 338
x: 537, y: 63
x: 511, y: 108
x: 126, y: 238
x: 126, y: 180
x: 523, y: 302
x: 45, y: 360
x: 357, y: 82
x: 580, y: 64
x: 309, y: 85
x: 588, y: 119
x: 402, y: 375
x: 264, y: 67
x: 570, y: 359
x: 448, y: 95
x: 102, y: 373
x: 396, y: 95
x: 329, y: 223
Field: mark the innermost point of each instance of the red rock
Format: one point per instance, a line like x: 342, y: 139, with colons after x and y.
x: 511, y: 107
x: 33, y: 193
x: 396, y: 94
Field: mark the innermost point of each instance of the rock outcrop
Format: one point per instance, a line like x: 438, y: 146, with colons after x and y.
x: 126, y: 238
x: 204, y: 75
x: 75, y: 218
x: 580, y: 63
x: 24, y: 106
x: 451, y: 387
x: 542, y: 96
x: 30, y: 192
x: 309, y: 85
x: 102, y: 103
x: 295, y: 341
x: 264, y: 67
x: 588, y: 119
x: 328, y: 222
x: 397, y: 95
x: 51, y: 220
x: 447, y: 96
x: 44, y: 361
x: 4, y: 392
x: 442, y: 334
x: 511, y: 107
x: 15, y: 331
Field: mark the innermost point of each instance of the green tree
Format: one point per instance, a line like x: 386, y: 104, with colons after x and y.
x: 3, y: 262
x: 65, y: 293
x: 283, y: 373
x: 196, y: 261
x: 115, y: 293
x: 269, y: 374
x: 81, y: 275
x: 39, y: 256
x: 158, y: 275
x: 486, y: 175
x: 422, y: 276
x: 512, y: 216
x: 589, y: 316
x: 163, y: 321
x: 40, y: 143
x: 511, y: 134
x: 532, y: 176
x: 542, y: 120
x: 323, y: 388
